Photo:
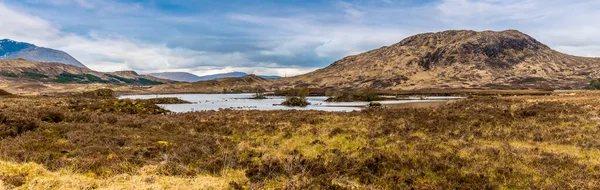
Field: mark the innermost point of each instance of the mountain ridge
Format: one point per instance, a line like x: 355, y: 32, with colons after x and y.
x: 21, y: 70
x: 456, y: 59
x: 10, y: 49
x: 189, y: 77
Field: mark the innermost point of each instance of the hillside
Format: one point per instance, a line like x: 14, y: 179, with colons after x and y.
x: 189, y: 77
x: 10, y: 49
x: 21, y: 71
x: 177, y: 76
x: 248, y: 83
x: 456, y: 59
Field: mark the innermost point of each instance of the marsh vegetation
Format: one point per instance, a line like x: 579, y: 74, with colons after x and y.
x: 478, y: 143
x: 297, y: 98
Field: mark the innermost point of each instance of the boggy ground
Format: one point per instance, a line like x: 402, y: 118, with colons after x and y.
x: 549, y: 142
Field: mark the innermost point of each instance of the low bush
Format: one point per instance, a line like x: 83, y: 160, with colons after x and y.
x: 363, y: 95
x: 167, y: 101
x: 375, y: 105
x: 9, y: 74
x: 35, y: 76
x: 594, y: 84
x: 100, y: 93
x: 295, y: 101
x: 69, y: 78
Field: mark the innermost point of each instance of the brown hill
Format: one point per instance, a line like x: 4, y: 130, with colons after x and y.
x: 20, y: 70
x: 456, y: 59
x: 248, y: 83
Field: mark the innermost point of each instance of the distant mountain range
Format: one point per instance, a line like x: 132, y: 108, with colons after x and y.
x: 189, y: 77
x: 10, y: 49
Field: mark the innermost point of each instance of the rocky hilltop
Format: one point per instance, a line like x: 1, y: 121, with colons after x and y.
x: 456, y: 59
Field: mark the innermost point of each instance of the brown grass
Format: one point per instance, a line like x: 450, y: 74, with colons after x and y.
x: 481, y: 143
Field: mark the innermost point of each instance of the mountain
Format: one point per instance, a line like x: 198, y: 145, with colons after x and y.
x: 189, y: 77
x: 177, y: 76
x: 223, y: 75
x: 270, y: 76
x: 10, y: 49
x: 248, y: 83
x: 21, y: 70
x: 456, y: 59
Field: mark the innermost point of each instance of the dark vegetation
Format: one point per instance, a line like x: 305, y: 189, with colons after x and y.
x: 297, y: 98
x: 5, y: 93
x: 35, y: 76
x: 167, y: 101
x: 100, y: 93
x: 9, y: 74
x: 260, y: 94
x: 375, y: 105
x: 480, y: 143
x: 362, y: 95
x: 594, y: 84
x: 139, y: 81
x: 79, y: 78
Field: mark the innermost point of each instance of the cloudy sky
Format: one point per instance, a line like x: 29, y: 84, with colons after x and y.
x: 275, y: 37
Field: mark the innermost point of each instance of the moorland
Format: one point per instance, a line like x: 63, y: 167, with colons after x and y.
x: 525, y: 123
x: 94, y: 140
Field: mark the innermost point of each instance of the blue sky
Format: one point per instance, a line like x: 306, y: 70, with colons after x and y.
x: 275, y: 37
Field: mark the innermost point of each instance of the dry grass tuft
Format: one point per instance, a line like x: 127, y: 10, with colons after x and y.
x: 478, y: 143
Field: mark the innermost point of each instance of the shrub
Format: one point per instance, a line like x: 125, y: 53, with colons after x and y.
x: 144, y: 81
x: 100, y: 93
x: 295, y: 101
x: 362, y: 95
x: 94, y: 78
x: 69, y: 77
x: 594, y: 84
x: 297, y: 98
x: 259, y: 96
x: 35, y: 76
x: 141, y: 81
x: 375, y: 105
x: 167, y: 101
x: 125, y: 80
x: 9, y: 74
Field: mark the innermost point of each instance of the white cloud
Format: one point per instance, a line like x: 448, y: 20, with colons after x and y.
x: 109, y: 52
x: 568, y: 26
x: 300, y: 34
x: 324, y: 34
x: 96, y: 5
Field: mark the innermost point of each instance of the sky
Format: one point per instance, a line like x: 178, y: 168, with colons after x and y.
x: 275, y: 37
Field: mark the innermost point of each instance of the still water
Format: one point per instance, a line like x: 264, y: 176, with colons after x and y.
x: 206, y: 102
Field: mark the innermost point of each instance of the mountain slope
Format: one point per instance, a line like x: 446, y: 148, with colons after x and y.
x: 21, y: 70
x: 248, y: 83
x: 189, y: 77
x: 11, y: 50
x: 456, y: 59
x: 177, y: 76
